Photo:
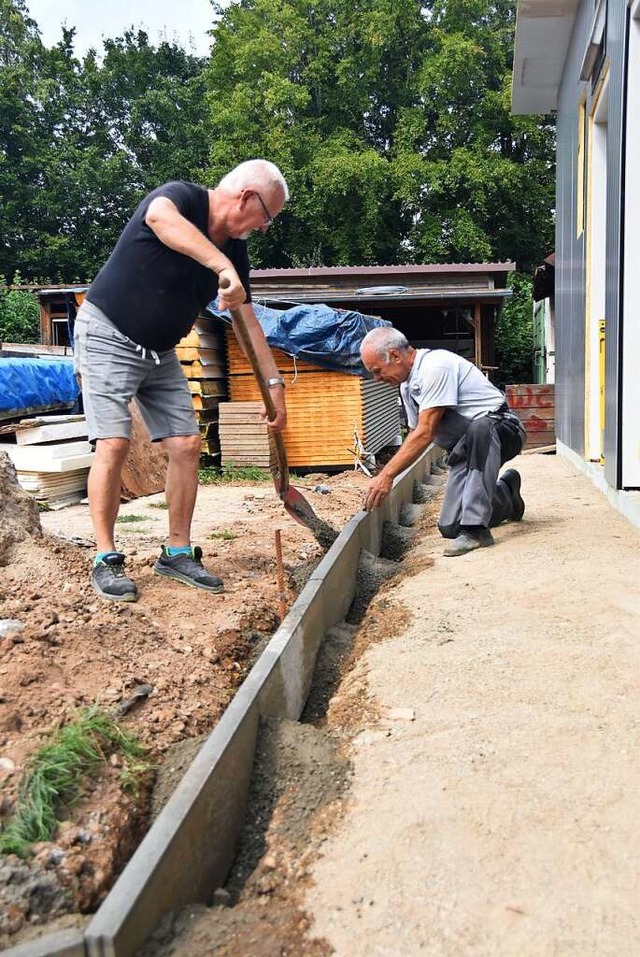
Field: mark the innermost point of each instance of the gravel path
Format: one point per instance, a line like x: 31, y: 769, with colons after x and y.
x: 504, y: 819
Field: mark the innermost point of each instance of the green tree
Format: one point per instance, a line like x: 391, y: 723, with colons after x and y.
x: 81, y: 141
x: 20, y: 143
x: 514, y: 333
x: 391, y: 121
x: 19, y: 314
x: 317, y: 90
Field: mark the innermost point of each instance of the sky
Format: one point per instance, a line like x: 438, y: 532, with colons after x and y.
x: 184, y: 22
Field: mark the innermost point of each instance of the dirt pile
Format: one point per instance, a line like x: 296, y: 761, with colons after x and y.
x: 19, y: 515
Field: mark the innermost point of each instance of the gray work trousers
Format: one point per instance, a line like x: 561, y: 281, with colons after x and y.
x: 473, y: 494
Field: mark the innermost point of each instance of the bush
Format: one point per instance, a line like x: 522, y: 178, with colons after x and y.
x: 514, y: 334
x: 19, y: 314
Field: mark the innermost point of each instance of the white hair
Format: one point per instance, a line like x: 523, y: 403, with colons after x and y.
x: 255, y: 173
x: 383, y: 339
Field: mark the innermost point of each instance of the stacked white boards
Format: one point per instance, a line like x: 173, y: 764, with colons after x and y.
x: 51, y: 456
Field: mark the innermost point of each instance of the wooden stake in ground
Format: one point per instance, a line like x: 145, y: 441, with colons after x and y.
x: 282, y: 605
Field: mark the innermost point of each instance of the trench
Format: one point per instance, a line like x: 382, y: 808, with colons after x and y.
x: 300, y: 778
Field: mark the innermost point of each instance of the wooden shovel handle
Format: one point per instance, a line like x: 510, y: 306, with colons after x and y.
x: 240, y: 328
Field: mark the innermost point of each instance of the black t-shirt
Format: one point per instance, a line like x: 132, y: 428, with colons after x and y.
x: 151, y: 293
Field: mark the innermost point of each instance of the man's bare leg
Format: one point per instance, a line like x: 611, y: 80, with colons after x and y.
x: 104, y: 487
x: 180, y: 560
x: 181, y: 486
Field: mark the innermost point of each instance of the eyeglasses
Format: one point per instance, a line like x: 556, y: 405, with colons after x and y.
x: 267, y: 214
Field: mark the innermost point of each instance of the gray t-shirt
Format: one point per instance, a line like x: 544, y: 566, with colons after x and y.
x: 440, y: 378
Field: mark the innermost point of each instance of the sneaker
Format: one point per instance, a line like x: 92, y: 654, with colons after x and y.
x: 188, y: 569
x: 512, y: 480
x: 108, y: 578
x: 468, y: 540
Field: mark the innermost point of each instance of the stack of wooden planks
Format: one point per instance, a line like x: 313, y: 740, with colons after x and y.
x: 51, y: 456
x: 202, y: 355
x: 244, y: 438
x: 334, y: 419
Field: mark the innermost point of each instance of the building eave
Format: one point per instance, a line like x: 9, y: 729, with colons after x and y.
x: 543, y: 34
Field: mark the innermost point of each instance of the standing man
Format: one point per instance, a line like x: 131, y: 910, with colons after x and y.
x: 182, y: 242
x: 449, y: 401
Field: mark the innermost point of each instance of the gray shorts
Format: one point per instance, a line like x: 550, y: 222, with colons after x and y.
x: 114, y: 370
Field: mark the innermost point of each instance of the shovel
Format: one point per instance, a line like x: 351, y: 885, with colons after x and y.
x: 294, y: 501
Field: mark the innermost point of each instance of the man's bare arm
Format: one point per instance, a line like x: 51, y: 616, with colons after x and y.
x: 266, y: 363
x: 411, y: 449
x: 176, y: 232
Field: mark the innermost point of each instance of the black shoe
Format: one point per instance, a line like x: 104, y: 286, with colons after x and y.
x: 188, y: 568
x: 110, y: 581
x: 512, y: 480
x: 468, y: 540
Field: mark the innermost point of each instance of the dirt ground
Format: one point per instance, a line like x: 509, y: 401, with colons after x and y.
x: 478, y: 788
x: 465, y: 776
x: 193, y: 649
x: 493, y: 807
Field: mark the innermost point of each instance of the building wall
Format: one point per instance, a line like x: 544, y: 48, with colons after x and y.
x: 617, y: 16
x: 577, y: 289
x: 570, y: 254
x: 631, y: 287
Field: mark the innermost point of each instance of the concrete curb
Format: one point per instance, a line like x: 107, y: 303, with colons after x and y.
x: 66, y: 943
x: 191, y: 846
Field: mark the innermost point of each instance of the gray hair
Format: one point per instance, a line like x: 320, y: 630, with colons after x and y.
x: 255, y: 173
x: 383, y: 339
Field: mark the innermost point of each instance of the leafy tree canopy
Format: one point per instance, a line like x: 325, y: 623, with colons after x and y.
x: 82, y: 140
x: 391, y: 122
x: 390, y: 119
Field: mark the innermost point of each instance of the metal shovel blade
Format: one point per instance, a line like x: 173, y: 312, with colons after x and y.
x: 298, y: 508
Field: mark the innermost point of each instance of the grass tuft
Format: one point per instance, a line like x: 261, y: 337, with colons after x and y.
x: 224, y: 534
x: 54, y: 775
x: 124, y: 519
x: 232, y: 473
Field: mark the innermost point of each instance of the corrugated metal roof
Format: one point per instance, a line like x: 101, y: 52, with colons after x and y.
x: 380, y: 272
x: 295, y: 294
x: 58, y: 290
x: 424, y: 281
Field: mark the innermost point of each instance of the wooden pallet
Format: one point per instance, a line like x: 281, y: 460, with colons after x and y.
x: 244, y: 437
x: 535, y: 407
x: 203, y: 370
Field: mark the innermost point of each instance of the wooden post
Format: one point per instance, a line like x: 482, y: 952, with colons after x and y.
x: 282, y: 604
x: 477, y: 333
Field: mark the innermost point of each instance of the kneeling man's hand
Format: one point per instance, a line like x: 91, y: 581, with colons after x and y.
x: 377, y: 490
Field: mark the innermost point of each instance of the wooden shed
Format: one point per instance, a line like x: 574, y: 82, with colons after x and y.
x: 444, y: 306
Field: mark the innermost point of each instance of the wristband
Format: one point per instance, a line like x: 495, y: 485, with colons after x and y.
x: 276, y: 380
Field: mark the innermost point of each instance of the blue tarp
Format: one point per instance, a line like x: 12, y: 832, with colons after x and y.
x: 29, y: 385
x: 328, y: 337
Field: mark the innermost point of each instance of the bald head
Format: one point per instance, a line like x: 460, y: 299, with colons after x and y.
x: 258, y: 174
